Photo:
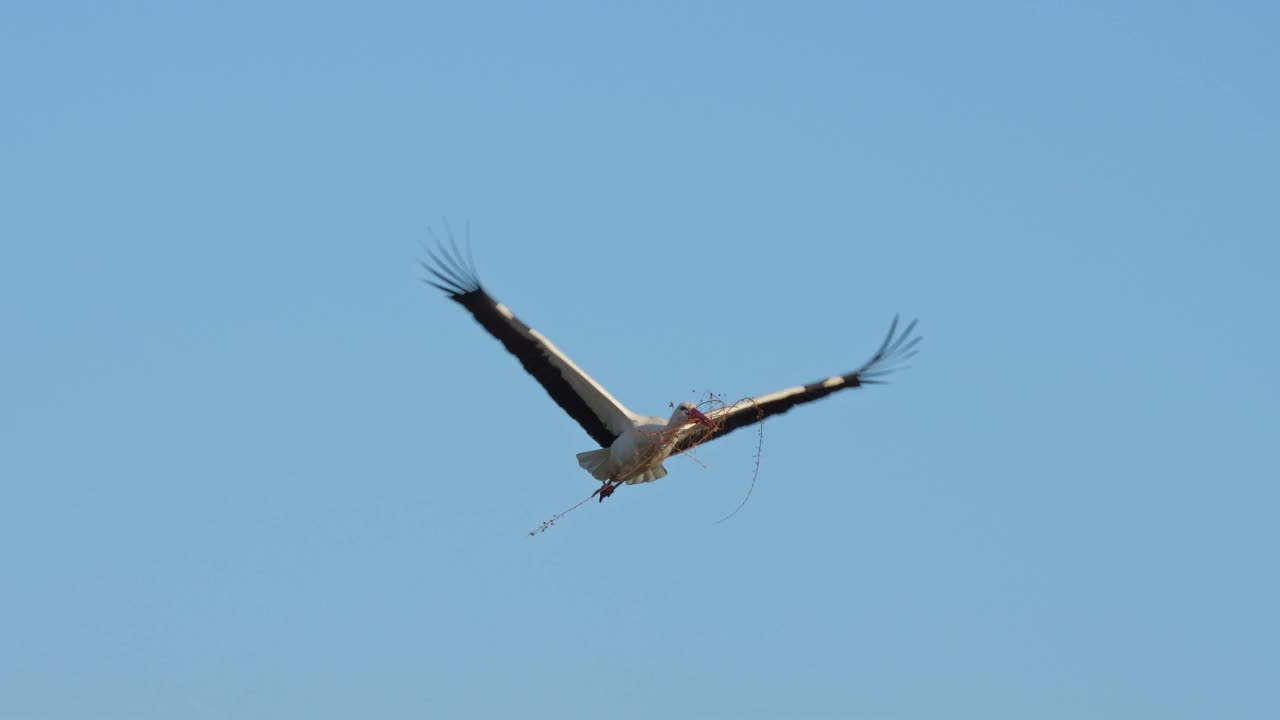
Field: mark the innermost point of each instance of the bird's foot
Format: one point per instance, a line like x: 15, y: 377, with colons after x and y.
x: 607, y: 489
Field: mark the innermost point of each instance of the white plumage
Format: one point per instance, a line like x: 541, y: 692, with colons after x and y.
x: 633, y: 447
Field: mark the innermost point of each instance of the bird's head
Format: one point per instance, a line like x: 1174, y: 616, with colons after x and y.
x: 687, y: 412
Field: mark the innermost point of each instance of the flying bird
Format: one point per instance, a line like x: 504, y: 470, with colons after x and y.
x: 633, y: 447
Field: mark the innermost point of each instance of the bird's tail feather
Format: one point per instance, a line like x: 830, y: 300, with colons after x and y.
x: 595, y: 462
x: 648, y: 475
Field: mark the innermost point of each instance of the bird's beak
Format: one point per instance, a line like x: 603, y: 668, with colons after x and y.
x: 697, y: 416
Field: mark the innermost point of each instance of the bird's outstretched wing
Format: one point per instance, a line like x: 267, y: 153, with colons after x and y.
x: 603, y: 417
x: 897, y: 348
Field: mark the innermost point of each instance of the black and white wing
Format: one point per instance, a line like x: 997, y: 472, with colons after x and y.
x: 897, y: 348
x: 602, y: 416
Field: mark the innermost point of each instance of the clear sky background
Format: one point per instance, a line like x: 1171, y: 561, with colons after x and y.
x: 251, y: 467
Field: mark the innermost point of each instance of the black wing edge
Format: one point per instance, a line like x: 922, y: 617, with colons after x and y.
x: 896, y: 349
x: 455, y: 272
x: 893, y: 352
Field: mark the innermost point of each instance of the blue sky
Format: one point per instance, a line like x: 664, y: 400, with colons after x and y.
x: 252, y: 467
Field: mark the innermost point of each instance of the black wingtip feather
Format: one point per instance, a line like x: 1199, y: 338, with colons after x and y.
x: 897, y: 348
x: 451, y: 285
x: 455, y: 270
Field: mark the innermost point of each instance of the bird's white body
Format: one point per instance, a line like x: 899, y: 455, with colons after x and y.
x: 637, y: 455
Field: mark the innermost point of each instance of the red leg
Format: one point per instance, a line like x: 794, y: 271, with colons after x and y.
x: 607, y: 488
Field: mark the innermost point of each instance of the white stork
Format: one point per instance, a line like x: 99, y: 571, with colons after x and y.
x: 633, y: 447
